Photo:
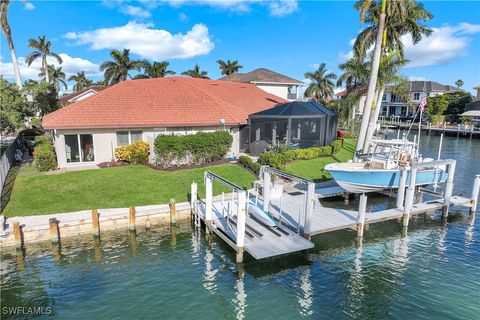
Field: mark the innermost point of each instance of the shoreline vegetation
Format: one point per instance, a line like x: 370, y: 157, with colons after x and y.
x: 36, y: 193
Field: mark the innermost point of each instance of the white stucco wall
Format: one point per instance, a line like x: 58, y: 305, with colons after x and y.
x: 280, y: 90
x: 105, y: 142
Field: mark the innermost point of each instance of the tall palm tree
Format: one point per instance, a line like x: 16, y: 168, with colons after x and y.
x: 401, y: 17
x: 459, y: 83
x: 388, y: 22
x: 387, y: 75
x: 154, y: 70
x: 43, y: 51
x: 81, y: 81
x: 229, y: 67
x: 55, y: 75
x: 118, y: 70
x: 322, y: 83
x: 8, y: 35
x: 196, y: 73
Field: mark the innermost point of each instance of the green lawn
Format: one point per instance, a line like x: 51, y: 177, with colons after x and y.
x: 35, y: 194
x: 313, y: 169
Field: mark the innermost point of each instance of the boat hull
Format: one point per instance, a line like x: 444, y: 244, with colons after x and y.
x: 359, y: 181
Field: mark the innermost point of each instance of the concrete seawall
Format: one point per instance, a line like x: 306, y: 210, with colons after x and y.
x: 38, y: 228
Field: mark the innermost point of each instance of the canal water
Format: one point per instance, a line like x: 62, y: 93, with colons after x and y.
x: 430, y: 272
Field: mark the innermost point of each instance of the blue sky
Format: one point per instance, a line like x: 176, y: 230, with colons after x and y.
x: 289, y: 37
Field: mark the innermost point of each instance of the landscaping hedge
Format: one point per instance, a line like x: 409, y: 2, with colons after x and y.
x: 44, y: 153
x: 136, y: 152
x: 280, y: 159
x: 198, y: 148
x: 248, y: 163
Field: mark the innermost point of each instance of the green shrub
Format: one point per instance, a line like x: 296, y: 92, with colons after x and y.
x: 44, y: 157
x: 202, y: 147
x: 273, y: 159
x: 247, y: 162
x: 336, y: 145
x: 45, y: 139
x: 136, y: 152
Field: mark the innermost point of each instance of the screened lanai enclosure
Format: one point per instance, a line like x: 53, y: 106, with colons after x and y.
x: 295, y: 124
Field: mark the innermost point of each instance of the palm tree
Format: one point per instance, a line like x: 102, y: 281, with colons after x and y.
x: 118, y: 70
x: 196, y: 73
x: 322, y: 83
x: 43, y: 51
x: 387, y: 75
x: 154, y: 70
x: 386, y: 34
x: 229, y: 67
x: 8, y: 35
x: 401, y: 17
x: 355, y: 74
x: 459, y: 83
x: 55, y: 75
x: 81, y: 81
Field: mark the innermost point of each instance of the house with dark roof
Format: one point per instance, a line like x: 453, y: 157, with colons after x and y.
x: 80, y: 95
x: 87, y: 132
x: 472, y: 109
x: 393, y: 105
x: 269, y: 81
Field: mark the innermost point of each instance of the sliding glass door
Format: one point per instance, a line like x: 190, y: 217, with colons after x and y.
x: 79, y: 148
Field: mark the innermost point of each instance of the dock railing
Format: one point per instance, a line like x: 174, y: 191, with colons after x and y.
x: 7, y: 160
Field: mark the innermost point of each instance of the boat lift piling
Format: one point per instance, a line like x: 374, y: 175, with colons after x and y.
x: 475, y: 191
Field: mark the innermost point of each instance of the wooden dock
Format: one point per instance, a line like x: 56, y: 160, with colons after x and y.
x: 261, y: 241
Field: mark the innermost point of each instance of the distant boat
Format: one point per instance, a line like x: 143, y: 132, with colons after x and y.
x: 381, y: 169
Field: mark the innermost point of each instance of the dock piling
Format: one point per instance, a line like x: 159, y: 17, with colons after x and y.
x: 448, y: 189
x: 362, y: 208
x: 17, y: 234
x: 131, y: 216
x: 54, y: 233
x: 401, y: 188
x: 208, y: 199
x: 409, y: 197
x: 95, y: 223
x: 241, y: 220
x: 475, y: 191
x: 310, y: 199
x: 267, y: 184
x: 173, y: 211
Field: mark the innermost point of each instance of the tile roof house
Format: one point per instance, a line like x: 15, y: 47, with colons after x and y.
x: 88, y: 131
x: 80, y: 95
x: 269, y: 81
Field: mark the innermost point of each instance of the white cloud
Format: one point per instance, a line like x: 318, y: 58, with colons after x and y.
x: 148, y: 42
x: 282, y: 7
x: 314, y: 65
x: 133, y: 11
x: 344, y: 56
x: 446, y: 43
x: 277, y: 8
x: 29, y: 6
x: 70, y: 66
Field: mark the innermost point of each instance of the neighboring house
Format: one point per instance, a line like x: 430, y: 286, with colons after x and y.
x: 88, y: 131
x: 472, y: 109
x: 358, y: 109
x: 392, y: 105
x: 80, y: 95
x: 269, y: 81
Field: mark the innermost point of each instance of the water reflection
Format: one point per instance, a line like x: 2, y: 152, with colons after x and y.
x: 305, y: 299
x: 240, y: 299
x: 210, y: 272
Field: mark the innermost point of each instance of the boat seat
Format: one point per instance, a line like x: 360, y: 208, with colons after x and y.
x: 375, y: 164
x: 404, y: 160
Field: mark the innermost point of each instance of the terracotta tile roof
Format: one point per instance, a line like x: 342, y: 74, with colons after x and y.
x: 65, y: 98
x: 260, y: 75
x: 164, y: 102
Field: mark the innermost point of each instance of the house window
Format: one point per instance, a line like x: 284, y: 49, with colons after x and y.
x: 79, y: 148
x: 292, y: 92
x: 129, y: 137
x: 416, y: 96
x: 384, y: 98
x: 393, y: 98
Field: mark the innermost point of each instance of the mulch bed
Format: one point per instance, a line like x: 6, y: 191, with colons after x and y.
x: 161, y: 168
